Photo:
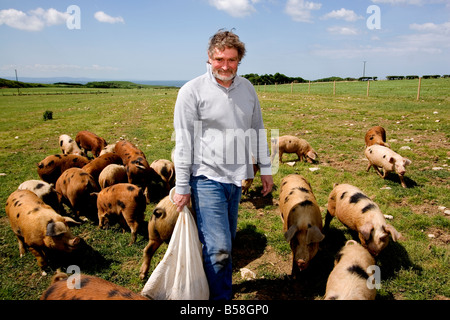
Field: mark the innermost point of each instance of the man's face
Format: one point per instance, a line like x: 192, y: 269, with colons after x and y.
x: 224, y: 65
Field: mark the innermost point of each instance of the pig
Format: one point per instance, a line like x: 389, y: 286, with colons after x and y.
x: 45, y: 191
x: 160, y: 229
x: 291, y: 144
x: 86, y: 287
x: 77, y: 189
x: 38, y: 227
x: 112, y: 174
x: 51, y: 168
x: 69, y: 146
x: 348, y: 280
x: 95, y: 167
x: 108, y: 149
x: 90, y: 142
x: 376, y: 135
x: 139, y: 171
x: 122, y: 202
x: 166, y: 170
x: 389, y: 160
x: 356, y: 211
x: 302, y: 221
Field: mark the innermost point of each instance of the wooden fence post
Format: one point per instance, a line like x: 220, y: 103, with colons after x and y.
x: 418, y: 89
x: 368, y: 87
x: 309, y: 86
x: 292, y: 86
x: 334, y: 88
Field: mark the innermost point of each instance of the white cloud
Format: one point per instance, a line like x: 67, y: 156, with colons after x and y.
x: 300, y: 10
x: 411, y: 2
x: 103, y: 17
x: 235, y: 8
x: 346, y: 31
x: 443, y: 28
x: 34, y: 20
x: 343, y: 14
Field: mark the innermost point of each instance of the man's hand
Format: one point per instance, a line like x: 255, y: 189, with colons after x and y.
x: 267, y: 183
x: 181, y: 200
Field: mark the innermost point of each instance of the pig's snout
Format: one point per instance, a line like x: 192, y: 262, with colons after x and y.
x: 302, y: 264
x: 74, y: 243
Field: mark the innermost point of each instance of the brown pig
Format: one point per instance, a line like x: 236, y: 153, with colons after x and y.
x: 376, y: 135
x: 95, y: 167
x: 77, y: 189
x: 160, y: 229
x: 349, y: 278
x: 125, y: 203
x: 38, y: 227
x: 87, y: 288
x: 302, y: 221
x: 292, y: 144
x: 51, y: 168
x: 389, y: 160
x: 355, y: 210
x: 89, y: 141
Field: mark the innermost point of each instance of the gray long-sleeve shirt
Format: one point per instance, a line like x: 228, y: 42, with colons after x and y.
x: 218, y: 131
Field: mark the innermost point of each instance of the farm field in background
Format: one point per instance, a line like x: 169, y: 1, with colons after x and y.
x: 414, y: 268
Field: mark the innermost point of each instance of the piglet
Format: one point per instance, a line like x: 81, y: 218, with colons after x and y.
x: 124, y: 202
x: 291, y: 144
x: 389, y: 160
x: 38, y: 227
x: 355, y: 210
x: 302, y: 221
x: 349, y: 278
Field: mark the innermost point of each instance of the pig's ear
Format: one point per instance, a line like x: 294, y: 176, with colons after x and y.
x: 366, y: 230
x: 288, y: 235
x: 55, y: 228
x: 394, y: 233
x: 406, y: 162
x: 70, y: 220
x: 314, y: 235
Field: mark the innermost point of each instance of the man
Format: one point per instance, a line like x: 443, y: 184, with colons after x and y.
x: 215, y: 116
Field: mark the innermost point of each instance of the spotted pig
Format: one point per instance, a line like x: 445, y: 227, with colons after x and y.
x: 38, y: 227
x: 51, y: 168
x: 125, y: 203
x: 88, y: 288
x: 355, y: 210
x: 348, y: 280
x: 77, y: 189
x: 302, y: 221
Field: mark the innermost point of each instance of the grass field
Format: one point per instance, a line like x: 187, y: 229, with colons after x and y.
x: 414, y: 268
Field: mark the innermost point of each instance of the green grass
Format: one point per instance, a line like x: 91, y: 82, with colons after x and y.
x: 416, y: 267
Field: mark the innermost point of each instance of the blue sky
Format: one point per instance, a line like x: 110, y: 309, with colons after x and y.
x: 167, y: 40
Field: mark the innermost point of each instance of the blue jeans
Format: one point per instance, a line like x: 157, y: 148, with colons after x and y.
x: 216, y: 207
